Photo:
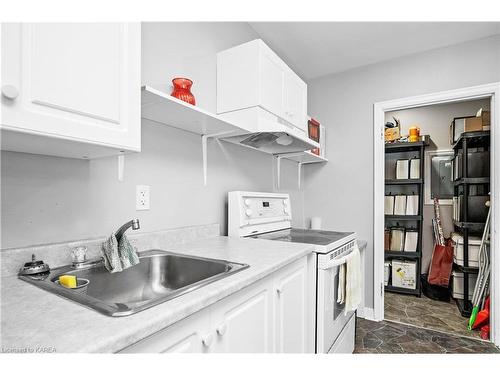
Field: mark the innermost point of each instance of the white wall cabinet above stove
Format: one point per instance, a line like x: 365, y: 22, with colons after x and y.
x: 71, y: 90
x: 275, y: 314
x: 252, y: 75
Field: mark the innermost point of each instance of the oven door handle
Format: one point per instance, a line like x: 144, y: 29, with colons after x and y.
x: 336, y: 262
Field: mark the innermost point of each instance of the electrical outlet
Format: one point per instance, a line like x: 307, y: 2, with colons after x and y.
x: 142, y: 198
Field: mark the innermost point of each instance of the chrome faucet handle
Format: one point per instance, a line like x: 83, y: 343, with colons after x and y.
x: 79, y: 254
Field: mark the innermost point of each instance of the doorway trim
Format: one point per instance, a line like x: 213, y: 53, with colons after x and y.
x: 491, y: 91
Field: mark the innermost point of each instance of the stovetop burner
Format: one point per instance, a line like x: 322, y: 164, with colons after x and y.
x: 309, y: 236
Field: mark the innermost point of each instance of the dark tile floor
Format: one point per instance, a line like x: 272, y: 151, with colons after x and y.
x: 389, y: 337
x: 426, y: 313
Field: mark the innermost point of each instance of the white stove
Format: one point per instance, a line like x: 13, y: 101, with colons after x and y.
x: 269, y: 216
x: 324, y: 241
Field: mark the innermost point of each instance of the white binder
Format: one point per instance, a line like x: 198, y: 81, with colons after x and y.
x: 397, y: 239
x: 400, y: 205
x: 411, y: 240
x: 389, y: 205
x: 412, y: 205
x: 402, y: 169
x: 415, y: 168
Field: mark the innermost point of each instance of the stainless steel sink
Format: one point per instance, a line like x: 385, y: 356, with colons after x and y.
x: 159, y: 277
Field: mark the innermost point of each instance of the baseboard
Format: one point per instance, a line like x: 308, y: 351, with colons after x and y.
x: 366, y: 313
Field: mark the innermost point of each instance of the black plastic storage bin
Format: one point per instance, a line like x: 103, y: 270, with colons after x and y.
x: 477, y: 208
x: 478, y: 165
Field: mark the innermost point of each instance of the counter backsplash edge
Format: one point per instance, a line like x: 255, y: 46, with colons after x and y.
x: 58, y: 254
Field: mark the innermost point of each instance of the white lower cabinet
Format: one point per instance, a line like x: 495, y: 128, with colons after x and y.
x: 243, y: 323
x: 190, y: 335
x: 291, y: 309
x: 271, y: 315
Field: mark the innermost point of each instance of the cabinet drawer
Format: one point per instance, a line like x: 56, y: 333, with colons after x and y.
x: 185, y: 336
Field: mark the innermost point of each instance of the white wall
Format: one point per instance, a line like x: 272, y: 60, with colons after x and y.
x: 341, y: 192
x: 435, y: 121
x: 188, y: 49
x: 48, y: 199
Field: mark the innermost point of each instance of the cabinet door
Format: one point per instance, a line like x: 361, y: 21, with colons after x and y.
x: 291, y: 312
x: 295, y: 101
x: 76, y: 81
x: 272, y: 80
x: 243, y: 322
x: 190, y: 335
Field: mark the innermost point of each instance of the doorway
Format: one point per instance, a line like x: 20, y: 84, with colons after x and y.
x: 478, y: 95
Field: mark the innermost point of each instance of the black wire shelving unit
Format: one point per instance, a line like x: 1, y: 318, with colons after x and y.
x: 407, y: 150
x: 464, y: 143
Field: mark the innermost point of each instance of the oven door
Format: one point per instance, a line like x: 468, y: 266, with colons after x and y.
x: 331, y: 317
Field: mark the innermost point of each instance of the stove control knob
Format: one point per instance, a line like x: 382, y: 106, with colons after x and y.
x: 248, y: 212
x: 247, y: 202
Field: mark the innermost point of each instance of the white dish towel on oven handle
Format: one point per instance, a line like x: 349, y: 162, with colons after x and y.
x: 350, y: 281
x: 341, y: 286
x: 354, y: 281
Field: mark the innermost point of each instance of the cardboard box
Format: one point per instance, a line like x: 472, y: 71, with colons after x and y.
x: 461, y: 125
x: 473, y: 124
x: 392, y: 134
x: 486, y: 117
x: 404, y: 274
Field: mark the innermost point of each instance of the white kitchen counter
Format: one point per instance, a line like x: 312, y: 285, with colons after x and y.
x: 33, y: 318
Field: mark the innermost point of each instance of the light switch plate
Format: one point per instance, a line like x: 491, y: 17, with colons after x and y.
x: 142, y: 197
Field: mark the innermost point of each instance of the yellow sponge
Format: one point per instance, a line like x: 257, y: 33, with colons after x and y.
x: 69, y: 281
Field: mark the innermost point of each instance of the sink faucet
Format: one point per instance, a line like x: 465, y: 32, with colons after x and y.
x: 84, y: 262
x: 134, y: 224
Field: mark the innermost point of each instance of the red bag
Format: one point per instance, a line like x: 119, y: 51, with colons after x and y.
x: 441, y: 264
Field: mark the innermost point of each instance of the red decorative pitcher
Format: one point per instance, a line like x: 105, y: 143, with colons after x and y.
x: 182, y: 90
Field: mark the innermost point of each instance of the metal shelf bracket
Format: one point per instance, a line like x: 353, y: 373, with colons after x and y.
x: 204, y: 139
x: 278, y: 166
x: 121, y: 166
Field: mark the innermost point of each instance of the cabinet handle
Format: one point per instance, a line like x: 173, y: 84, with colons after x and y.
x: 10, y: 92
x: 207, y: 340
x: 221, y: 330
x: 279, y: 291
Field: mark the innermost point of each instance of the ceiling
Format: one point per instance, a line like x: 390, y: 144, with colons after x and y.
x: 315, y: 49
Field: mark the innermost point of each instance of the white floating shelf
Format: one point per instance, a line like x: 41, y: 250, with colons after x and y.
x: 306, y: 157
x: 162, y: 108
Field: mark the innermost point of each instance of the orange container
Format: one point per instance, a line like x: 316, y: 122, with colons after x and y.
x: 414, y: 134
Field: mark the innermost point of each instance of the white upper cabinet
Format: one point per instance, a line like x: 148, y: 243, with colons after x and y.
x: 295, y: 92
x: 272, y: 83
x: 75, y: 82
x: 252, y: 75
